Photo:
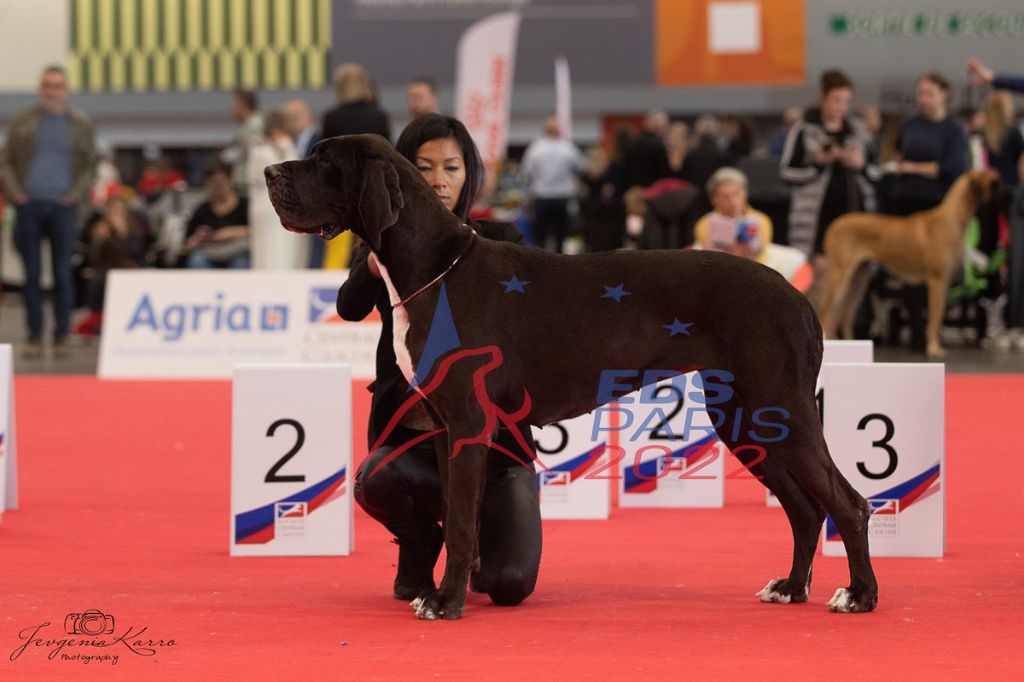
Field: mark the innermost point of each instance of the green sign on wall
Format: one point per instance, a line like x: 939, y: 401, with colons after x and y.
x: 990, y: 24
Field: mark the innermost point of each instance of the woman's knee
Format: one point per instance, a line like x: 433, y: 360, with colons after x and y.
x: 374, y: 483
x: 512, y: 585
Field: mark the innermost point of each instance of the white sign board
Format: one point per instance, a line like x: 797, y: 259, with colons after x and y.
x: 199, y: 324
x: 885, y: 426
x: 834, y: 351
x: 8, y: 452
x: 669, y: 454
x: 291, y: 461
x: 573, y: 471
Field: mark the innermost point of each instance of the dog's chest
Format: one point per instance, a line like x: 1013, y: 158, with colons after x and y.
x: 400, y: 319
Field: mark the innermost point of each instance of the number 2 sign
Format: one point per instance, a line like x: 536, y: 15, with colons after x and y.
x: 291, y: 460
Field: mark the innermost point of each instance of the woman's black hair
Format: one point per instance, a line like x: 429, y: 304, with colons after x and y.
x: 438, y: 127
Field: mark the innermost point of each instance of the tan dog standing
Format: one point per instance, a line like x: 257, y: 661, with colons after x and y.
x: 923, y: 248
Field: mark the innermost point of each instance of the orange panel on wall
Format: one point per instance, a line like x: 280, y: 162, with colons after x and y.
x: 730, y: 42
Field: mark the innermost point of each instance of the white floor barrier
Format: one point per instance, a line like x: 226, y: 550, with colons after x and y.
x: 291, y: 461
x: 668, y: 454
x: 8, y: 443
x: 573, y: 471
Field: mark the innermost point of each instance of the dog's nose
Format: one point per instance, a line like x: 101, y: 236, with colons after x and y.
x: 271, y: 173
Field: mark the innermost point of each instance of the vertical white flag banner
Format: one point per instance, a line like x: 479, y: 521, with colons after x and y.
x: 483, y: 82
x: 563, y: 97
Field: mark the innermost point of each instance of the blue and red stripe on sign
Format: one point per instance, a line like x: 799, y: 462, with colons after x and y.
x: 907, y: 493
x: 579, y: 465
x: 256, y: 526
x: 643, y: 477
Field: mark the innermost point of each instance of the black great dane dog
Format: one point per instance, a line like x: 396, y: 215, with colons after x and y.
x: 540, y: 329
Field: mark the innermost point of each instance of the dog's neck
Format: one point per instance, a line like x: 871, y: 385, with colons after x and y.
x: 424, y: 242
x: 961, y: 202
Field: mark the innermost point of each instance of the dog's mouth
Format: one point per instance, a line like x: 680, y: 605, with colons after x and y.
x: 330, y: 231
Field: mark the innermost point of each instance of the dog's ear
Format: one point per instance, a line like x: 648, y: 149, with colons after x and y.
x: 380, y: 199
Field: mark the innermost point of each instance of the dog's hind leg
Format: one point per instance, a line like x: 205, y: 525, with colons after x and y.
x: 805, y: 514
x: 805, y: 456
x: 798, y: 446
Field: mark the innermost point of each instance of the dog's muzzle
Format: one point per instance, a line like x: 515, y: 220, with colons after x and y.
x: 286, y: 206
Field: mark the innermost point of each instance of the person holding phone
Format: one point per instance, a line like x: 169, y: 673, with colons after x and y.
x: 824, y: 154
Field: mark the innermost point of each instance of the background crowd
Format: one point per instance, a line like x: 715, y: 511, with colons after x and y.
x: 713, y: 181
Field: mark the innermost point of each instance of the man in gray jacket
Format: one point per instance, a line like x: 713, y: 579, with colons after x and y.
x: 46, y: 170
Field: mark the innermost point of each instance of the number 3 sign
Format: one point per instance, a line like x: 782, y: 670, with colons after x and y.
x: 884, y: 425
x: 291, y: 460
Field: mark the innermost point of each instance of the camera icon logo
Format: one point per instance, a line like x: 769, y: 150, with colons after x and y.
x: 91, y: 622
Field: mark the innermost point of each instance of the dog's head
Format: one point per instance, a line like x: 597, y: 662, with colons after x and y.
x: 347, y: 183
x: 985, y: 186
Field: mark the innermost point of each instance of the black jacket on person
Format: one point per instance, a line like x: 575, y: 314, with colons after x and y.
x: 356, y: 118
x: 646, y: 161
x: 702, y: 161
x: 360, y: 294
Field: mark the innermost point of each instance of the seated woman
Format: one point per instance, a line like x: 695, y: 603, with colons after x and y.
x: 736, y: 228
x: 218, y: 233
x: 116, y: 240
x: 733, y: 226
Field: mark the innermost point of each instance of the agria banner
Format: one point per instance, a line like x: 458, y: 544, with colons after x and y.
x: 190, y: 324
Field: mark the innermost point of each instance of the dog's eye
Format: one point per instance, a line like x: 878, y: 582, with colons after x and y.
x: 323, y: 161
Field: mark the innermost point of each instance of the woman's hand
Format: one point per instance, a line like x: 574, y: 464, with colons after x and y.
x: 928, y: 169
x: 100, y: 231
x: 826, y: 156
x: 743, y: 250
x: 197, y: 238
x: 978, y: 73
x: 852, y: 157
x: 226, y: 233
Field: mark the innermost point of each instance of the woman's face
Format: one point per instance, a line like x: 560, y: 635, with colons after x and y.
x: 117, y: 210
x: 443, y: 166
x: 836, y: 104
x: 730, y: 199
x: 931, y: 99
x: 218, y: 186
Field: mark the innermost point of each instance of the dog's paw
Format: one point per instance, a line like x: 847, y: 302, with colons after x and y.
x: 936, y: 353
x: 436, y: 604
x: 845, y: 601
x: 779, y: 591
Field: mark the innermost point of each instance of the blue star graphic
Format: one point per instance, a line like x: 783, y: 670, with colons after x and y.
x: 514, y: 284
x: 615, y: 292
x: 678, y: 327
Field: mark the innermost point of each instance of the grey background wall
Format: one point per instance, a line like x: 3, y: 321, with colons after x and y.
x: 884, y: 45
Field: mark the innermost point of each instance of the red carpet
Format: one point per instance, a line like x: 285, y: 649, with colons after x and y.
x: 125, y: 509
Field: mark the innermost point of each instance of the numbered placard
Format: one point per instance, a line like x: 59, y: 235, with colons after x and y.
x: 834, y: 351
x: 291, y: 460
x: 668, y: 452
x: 885, y: 424
x: 574, y: 478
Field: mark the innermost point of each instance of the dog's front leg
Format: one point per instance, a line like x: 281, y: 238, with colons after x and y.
x: 467, y: 476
